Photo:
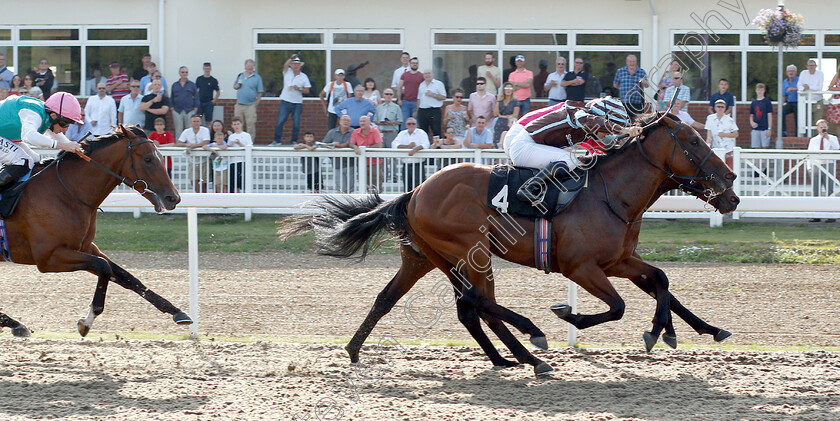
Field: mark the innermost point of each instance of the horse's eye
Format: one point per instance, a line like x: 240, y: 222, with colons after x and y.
x: 147, y: 159
x: 694, y: 142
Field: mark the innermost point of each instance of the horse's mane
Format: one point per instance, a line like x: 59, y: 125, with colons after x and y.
x: 91, y: 145
x: 645, y: 120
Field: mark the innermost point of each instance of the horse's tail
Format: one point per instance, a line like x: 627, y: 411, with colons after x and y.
x: 350, y: 226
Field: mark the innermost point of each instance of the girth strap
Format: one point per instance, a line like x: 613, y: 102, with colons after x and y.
x: 542, y: 244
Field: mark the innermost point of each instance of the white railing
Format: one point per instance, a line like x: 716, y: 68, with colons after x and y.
x: 805, y: 123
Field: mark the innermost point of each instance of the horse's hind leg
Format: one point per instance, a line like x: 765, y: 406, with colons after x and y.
x: 594, y: 281
x: 414, y: 266
x: 18, y: 329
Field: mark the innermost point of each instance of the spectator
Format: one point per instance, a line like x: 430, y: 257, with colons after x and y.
x: 28, y: 82
x: 822, y: 173
x: 16, y: 85
x: 217, y: 127
x: 156, y: 75
x: 722, y: 93
x: 456, y: 116
x: 76, y: 132
x: 522, y: 80
x: 6, y: 75
x: 761, y: 119
x: 356, y: 107
x: 407, y: 89
x: 666, y: 82
x: 4, y: 93
x: 369, y: 136
x: 575, y: 83
x: 592, y: 87
x: 162, y: 137
x: 468, y: 83
x: 388, y: 117
x: 790, y: 98
x: 102, y: 111
x: 679, y: 111
x: 721, y: 130
x: 218, y: 162
x: 629, y: 80
x: 447, y: 142
x: 539, y: 79
x: 481, y: 101
x: 430, y: 94
x: 554, y: 87
x: 146, y: 80
x: 683, y: 92
x: 479, y: 137
x: 506, y: 73
x: 295, y: 84
x: 91, y: 83
x: 155, y: 105
x: 193, y: 137
x: 404, y: 68
x: 183, y: 99
x: 249, y: 92
x: 143, y: 69
x: 117, y: 84
x: 345, y: 168
x: 607, y: 81
x: 35, y: 92
x: 333, y: 94
x: 371, y: 94
x: 507, y: 111
x: 208, y: 93
x: 129, y: 110
x: 311, y: 164
x: 45, y: 79
x: 350, y: 74
x: 441, y: 75
x: 491, y: 73
x: 238, y: 139
x: 832, y: 113
x: 414, y: 139
x: 812, y: 79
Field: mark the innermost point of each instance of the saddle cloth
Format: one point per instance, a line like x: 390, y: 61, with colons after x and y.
x: 9, y: 198
x: 505, y: 181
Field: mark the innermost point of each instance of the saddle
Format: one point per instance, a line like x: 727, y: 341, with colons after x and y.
x: 11, y: 195
x: 505, y: 181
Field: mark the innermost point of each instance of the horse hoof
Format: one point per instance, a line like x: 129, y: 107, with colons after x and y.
x: 540, y: 342
x: 181, y: 318
x: 354, y: 354
x: 650, y: 340
x: 561, y: 310
x: 21, y: 331
x: 503, y: 364
x: 543, y: 369
x: 722, y: 335
x: 82, y: 327
x: 670, y: 340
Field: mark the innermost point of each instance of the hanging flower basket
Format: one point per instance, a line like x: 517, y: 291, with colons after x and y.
x: 780, y: 27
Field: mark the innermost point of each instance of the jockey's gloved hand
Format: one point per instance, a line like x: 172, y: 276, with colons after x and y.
x: 69, y: 146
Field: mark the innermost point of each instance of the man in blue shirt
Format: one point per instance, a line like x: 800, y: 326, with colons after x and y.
x: 629, y: 80
x: 356, y: 107
x: 723, y: 86
x: 249, y: 92
x: 183, y: 98
x: 790, y: 98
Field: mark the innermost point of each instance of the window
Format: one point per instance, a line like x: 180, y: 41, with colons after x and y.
x: 361, y: 54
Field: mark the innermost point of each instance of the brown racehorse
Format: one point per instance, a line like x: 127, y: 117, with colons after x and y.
x: 55, y: 221
x: 445, y: 223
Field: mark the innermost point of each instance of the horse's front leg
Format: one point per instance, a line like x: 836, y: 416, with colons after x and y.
x: 18, y: 329
x: 68, y: 260
x: 591, y: 278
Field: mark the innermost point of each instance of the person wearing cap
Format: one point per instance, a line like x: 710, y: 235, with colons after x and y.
x: 333, y: 94
x: 522, y: 80
x: 295, y: 84
x: 249, y: 92
x: 554, y: 83
x: 721, y: 130
x: 117, y: 84
x: 101, y: 110
x: 42, y: 124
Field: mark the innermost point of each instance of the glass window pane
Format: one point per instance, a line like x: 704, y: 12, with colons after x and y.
x: 604, y: 65
x: 64, y: 61
x: 761, y: 68
x: 366, y: 38
x: 694, y: 38
x: 757, y: 39
x: 460, y: 67
x: 536, y: 39
x: 702, y: 74
x: 270, y: 68
x: 7, y: 51
x: 607, y: 39
x: 829, y: 65
x: 5, y: 34
x: 832, y: 39
x: 360, y: 65
x: 99, y: 58
x: 118, y: 34
x: 49, y: 34
x: 541, y: 63
x: 809, y: 40
x: 466, y: 38
x: 313, y: 38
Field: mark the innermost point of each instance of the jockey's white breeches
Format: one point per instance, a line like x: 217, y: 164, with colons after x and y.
x: 17, y: 153
x: 524, y: 152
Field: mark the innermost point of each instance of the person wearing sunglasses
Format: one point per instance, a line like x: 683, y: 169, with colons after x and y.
x: 38, y: 123
x: 683, y: 92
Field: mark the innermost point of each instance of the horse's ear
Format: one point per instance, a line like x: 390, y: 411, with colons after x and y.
x: 127, y: 132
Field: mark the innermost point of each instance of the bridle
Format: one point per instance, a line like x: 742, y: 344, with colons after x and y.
x: 124, y: 180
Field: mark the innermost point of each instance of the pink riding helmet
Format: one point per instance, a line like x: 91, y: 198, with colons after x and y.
x: 65, y: 105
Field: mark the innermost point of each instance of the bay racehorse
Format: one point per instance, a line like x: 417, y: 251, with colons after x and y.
x: 55, y: 221
x: 446, y: 223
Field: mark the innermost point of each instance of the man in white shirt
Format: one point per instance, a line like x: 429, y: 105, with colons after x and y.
x: 556, y: 92
x: 820, y: 170
x: 191, y: 138
x: 101, y: 110
x: 295, y: 84
x: 430, y: 96
x: 721, y: 130
x: 812, y: 79
x: 414, y: 139
x: 404, y: 59
x: 129, y: 110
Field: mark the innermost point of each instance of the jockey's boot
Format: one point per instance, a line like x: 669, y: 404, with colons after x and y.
x: 11, y: 173
x: 535, y: 188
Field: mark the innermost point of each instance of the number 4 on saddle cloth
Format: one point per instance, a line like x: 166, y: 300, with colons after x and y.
x: 505, y: 181
x: 8, y: 201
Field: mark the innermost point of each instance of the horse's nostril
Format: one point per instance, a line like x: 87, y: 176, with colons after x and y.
x: 735, y: 200
x: 730, y: 176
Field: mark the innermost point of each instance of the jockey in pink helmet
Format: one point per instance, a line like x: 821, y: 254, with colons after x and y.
x: 25, y: 119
